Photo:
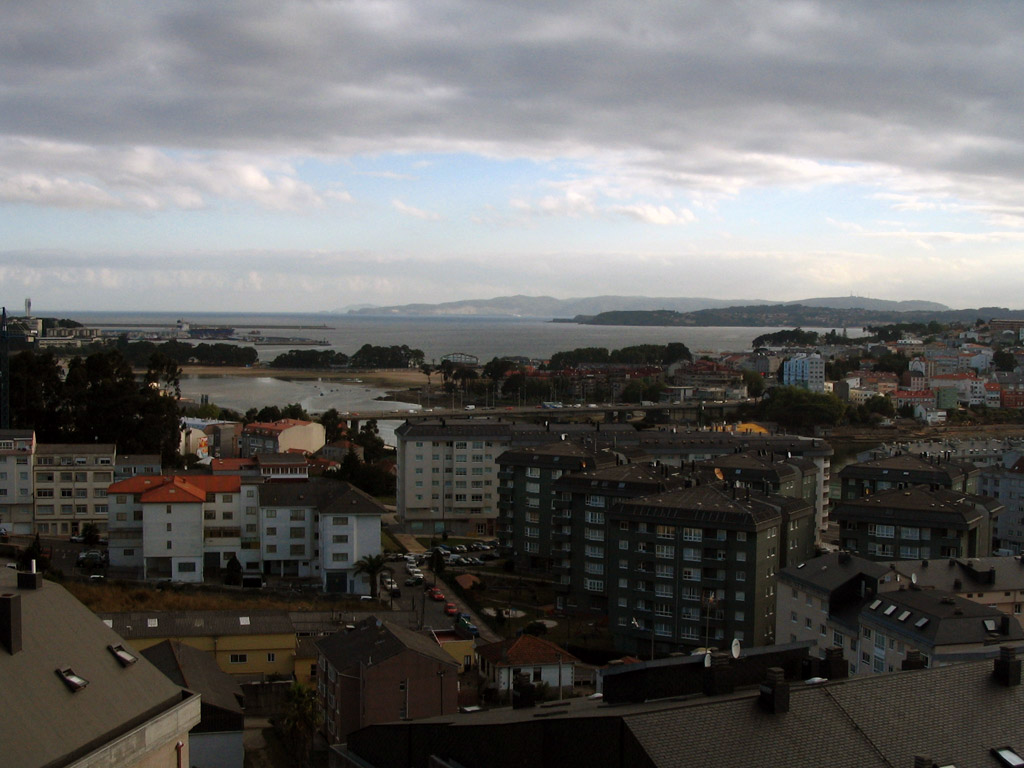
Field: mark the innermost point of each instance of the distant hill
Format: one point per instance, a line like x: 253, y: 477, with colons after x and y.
x: 548, y: 307
x: 877, y: 305
x: 791, y: 315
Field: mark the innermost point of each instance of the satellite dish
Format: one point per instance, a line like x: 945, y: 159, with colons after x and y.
x: 913, y: 578
x: 707, y: 660
x: 735, y: 648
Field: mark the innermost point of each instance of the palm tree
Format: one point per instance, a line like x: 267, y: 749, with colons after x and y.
x: 428, y: 370
x: 300, y: 719
x: 373, y: 566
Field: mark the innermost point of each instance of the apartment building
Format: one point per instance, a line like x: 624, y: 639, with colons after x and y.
x: 318, y: 529
x: 447, y: 469
x: 71, y: 483
x: 582, y: 502
x: 884, y: 624
x: 189, y: 527
x: 696, y: 566
x: 918, y: 523
x: 179, y: 527
x: 528, y: 518
x: 17, y: 450
x: 904, y: 470
x: 807, y: 371
x: 1005, y: 482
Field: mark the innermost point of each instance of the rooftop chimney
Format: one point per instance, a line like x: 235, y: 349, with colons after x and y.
x: 834, y: 665
x: 1007, y: 667
x: 774, y: 693
x: 718, y: 676
x: 30, y: 579
x: 913, y: 660
x: 10, y: 622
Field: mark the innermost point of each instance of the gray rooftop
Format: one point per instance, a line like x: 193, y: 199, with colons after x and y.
x: 44, y: 723
x: 145, y: 624
x: 373, y: 641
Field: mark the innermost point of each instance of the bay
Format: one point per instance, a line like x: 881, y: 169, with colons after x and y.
x: 483, y: 337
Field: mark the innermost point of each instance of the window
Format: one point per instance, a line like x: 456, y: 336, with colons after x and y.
x: 186, y: 567
x: 271, y: 531
x: 271, y: 549
x: 298, y: 549
x: 340, y: 557
x: 239, y: 658
x: 691, y: 534
x: 296, y: 533
x: 340, y: 538
x: 594, y: 501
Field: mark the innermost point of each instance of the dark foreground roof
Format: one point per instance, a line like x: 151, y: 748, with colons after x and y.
x: 950, y: 715
x: 42, y: 721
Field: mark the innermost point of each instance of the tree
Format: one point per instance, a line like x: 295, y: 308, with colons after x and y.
x: 754, y: 382
x: 798, y: 408
x: 372, y: 566
x: 90, y: 534
x: 233, y: 577
x: 33, y: 551
x: 331, y: 422
x: 300, y: 720
x: 1004, y: 361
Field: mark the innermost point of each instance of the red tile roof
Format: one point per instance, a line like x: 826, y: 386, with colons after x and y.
x: 524, y: 651
x: 232, y: 465
x: 203, y: 484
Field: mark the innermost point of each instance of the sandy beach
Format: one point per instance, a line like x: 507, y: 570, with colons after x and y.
x: 387, y: 378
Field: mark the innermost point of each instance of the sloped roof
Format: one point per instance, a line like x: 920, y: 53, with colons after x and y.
x: 373, y: 641
x: 329, y: 497
x: 143, y: 624
x: 830, y: 571
x: 198, y: 671
x: 524, y: 651
x: 709, y: 503
x: 43, y: 723
x: 204, y: 483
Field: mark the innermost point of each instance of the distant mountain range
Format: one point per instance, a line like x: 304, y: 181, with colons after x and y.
x: 548, y: 307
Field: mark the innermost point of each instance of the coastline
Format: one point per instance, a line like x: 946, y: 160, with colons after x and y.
x: 398, y: 379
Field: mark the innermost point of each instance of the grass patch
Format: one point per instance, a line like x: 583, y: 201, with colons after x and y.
x: 112, y: 597
x: 389, y: 543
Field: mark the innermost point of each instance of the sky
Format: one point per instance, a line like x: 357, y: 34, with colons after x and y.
x: 309, y: 156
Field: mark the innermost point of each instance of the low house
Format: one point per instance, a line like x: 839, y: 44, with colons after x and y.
x: 544, y: 662
x: 216, y: 742
x: 250, y: 645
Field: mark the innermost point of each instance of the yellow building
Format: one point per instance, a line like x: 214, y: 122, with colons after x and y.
x: 252, y: 645
x: 459, y: 648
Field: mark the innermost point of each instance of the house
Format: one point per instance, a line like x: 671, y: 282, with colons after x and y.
x: 249, y: 645
x: 461, y: 649
x: 216, y: 742
x: 379, y: 672
x: 280, y: 436
x: 74, y: 694
x: 965, y: 714
x: 545, y: 663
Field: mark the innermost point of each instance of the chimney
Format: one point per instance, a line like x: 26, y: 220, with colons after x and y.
x: 10, y: 622
x: 774, y: 692
x: 923, y: 762
x: 30, y: 579
x: 835, y: 666
x: 844, y: 557
x: 1007, y: 667
x: 913, y: 660
x: 718, y: 677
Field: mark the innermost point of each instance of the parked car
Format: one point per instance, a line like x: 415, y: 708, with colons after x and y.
x: 90, y: 559
x: 414, y: 581
x: 437, y: 596
x: 450, y: 609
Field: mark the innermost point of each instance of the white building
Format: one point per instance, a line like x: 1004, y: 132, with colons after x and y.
x: 189, y: 527
x: 17, y: 448
x: 807, y: 371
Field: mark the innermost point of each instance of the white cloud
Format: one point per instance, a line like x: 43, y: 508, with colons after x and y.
x: 416, y: 213
x: 657, y: 214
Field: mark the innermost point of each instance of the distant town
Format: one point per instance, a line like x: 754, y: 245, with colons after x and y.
x: 593, y: 547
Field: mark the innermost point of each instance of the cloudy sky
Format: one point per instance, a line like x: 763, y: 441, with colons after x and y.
x: 306, y: 156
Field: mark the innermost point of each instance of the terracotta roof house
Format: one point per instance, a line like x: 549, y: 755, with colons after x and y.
x: 500, y: 663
